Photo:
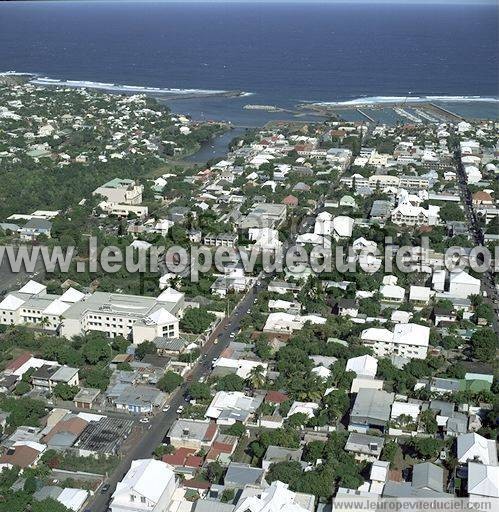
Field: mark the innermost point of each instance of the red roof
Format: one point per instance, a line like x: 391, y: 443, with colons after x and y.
x: 194, y: 461
x: 213, y: 454
x: 18, y: 362
x: 210, y: 432
x: 276, y: 397
x: 179, y: 457
x: 197, y: 484
x: 291, y: 200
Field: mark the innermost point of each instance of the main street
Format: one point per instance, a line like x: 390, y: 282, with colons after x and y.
x: 161, y: 423
x: 487, y: 278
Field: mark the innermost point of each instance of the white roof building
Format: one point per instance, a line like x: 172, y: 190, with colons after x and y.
x: 462, y: 285
x: 405, y: 409
x: 33, y: 288
x: 474, y: 447
x: 420, y: 294
x: 276, y: 498
x: 72, y: 295
x: 324, y: 224
x: 392, y: 292
x: 230, y: 406
x: 287, y: 323
x: 483, y: 480
x: 343, y: 226
x: 376, y: 334
x: 148, y: 486
x: 307, y: 408
x: 73, y: 499
x: 407, y: 340
x: 363, y: 366
x: 242, y: 367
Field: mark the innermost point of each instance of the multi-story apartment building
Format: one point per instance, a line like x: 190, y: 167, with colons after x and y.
x: 221, y: 240
x: 134, y: 317
x: 406, y: 340
x: 121, y: 191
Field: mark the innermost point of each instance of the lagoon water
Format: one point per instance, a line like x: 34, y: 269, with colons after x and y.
x: 281, y: 54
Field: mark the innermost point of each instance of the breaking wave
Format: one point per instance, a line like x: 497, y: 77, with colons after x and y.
x: 379, y: 100
x: 38, y: 79
x: 121, y: 87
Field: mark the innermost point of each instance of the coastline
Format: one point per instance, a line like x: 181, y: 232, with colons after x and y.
x: 233, y: 107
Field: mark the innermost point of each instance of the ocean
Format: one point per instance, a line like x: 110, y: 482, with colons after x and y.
x: 279, y: 54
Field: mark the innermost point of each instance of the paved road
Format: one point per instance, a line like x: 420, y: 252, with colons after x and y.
x: 155, y: 432
x: 487, y: 278
x: 14, y: 280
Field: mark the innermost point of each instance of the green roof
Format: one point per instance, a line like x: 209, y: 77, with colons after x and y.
x: 475, y: 385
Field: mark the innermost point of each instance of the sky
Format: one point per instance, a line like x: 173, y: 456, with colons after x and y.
x: 347, y: 1
x: 423, y: 2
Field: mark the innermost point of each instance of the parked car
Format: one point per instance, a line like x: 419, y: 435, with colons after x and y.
x: 105, y: 488
x: 166, y: 408
x: 180, y: 409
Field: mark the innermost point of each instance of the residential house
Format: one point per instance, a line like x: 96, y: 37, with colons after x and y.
x: 472, y: 447
x: 275, y: 497
x: 147, y: 486
x: 364, y: 447
x: 371, y: 410
x: 275, y: 454
x: 47, y: 377
x: 193, y: 434
x: 227, y: 407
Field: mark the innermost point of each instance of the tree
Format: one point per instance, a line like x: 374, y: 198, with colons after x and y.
x: 146, y: 347
x: 196, y: 320
x: 119, y: 344
x: 390, y: 451
x: 287, y: 472
x: 162, y: 449
x: 65, y: 391
x: 256, y: 377
x: 97, y: 349
x: 426, y: 447
x: 169, y: 381
x: 484, y: 344
x: 190, y: 357
x: 97, y: 378
x: 200, y: 391
x: 262, y: 349
x: 484, y: 311
x: 214, y: 472
x: 30, y: 485
x: 230, y: 382
x: 314, y: 451
x: 237, y: 429
x: 22, y: 388
x: 227, y: 496
x: 451, y: 211
x: 429, y: 421
x: 296, y: 420
x: 47, y: 505
x: 23, y: 411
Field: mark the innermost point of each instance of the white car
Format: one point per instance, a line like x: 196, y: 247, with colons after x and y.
x: 144, y: 420
x: 166, y: 408
x: 232, y: 335
x: 180, y: 409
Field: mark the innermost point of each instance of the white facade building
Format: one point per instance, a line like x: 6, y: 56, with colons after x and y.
x: 132, y: 316
x: 148, y: 486
x: 407, y: 340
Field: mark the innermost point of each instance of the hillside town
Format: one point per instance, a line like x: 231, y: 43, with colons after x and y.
x: 246, y: 389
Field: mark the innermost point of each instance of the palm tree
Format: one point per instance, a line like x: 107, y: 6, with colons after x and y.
x: 311, y: 391
x: 256, y: 377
